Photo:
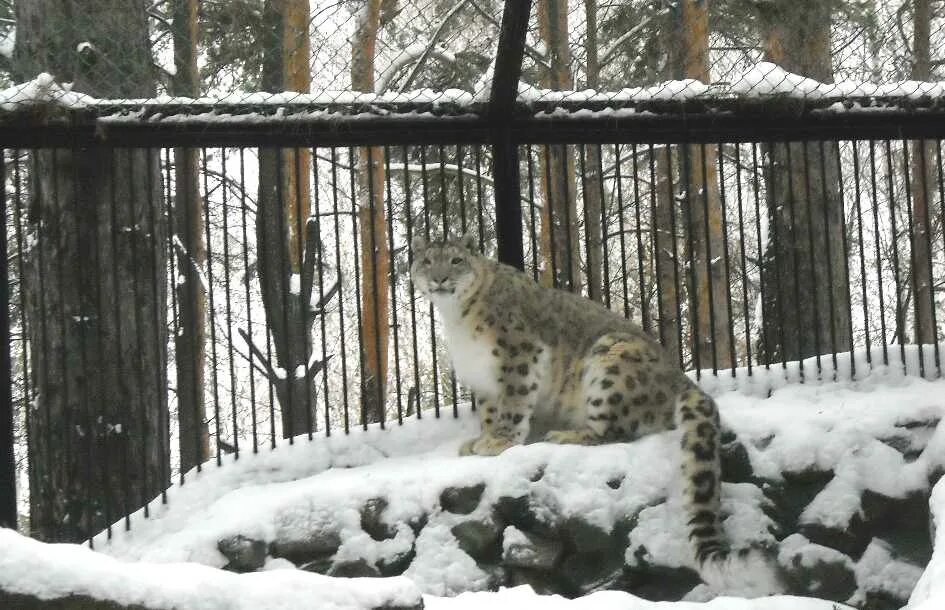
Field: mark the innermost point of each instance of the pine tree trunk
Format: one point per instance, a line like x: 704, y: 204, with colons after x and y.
x: 559, y: 226
x: 190, y: 340
x: 711, y: 337
x: 921, y: 185
x: 666, y: 248
x: 94, y: 284
x: 375, y: 258
x: 804, y: 272
x: 280, y: 226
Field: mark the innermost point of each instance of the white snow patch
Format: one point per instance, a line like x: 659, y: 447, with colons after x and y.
x: 929, y: 592
x: 49, y: 571
x: 525, y: 598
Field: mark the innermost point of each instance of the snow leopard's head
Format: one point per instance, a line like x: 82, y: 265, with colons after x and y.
x: 442, y: 270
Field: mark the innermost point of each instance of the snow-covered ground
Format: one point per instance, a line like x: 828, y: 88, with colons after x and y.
x: 311, y: 486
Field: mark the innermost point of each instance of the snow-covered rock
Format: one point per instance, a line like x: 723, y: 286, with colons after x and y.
x: 838, y: 473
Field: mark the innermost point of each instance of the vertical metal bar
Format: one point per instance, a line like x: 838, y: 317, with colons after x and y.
x: 941, y: 208
x: 479, y: 211
x: 566, y: 202
x: 341, y: 302
x: 224, y: 208
x: 761, y: 279
x: 923, y: 158
x: 773, y: 229
x: 247, y: 295
x: 210, y: 302
x: 408, y: 208
x: 910, y: 233
x: 154, y: 159
x: 733, y: 357
x: 603, y: 224
x: 742, y: 258
x: 304, y: 307
x: 830, y: 299
x: 171, y: 287
x: 27, y: 324
x: 846, y: 265
x: 900, y: 315
x: 655, y: 239
x: 587, y: 242
x: 693, y: 290
x: 879, y: 265
x: 393, y: 288
x: 708, y: 257
x: 672, y: 224
x: 550, y: 216
x: 463, y: 228
x: 446, y: 232
x: 531, y: 211
x: 623, y: 246
x: 424, y: 183
x: 857, y: 194
x: 7, y: 459
x: 284, y: 271
x: 644, y: 309
x: 352, y: 167
x: 320, y: 269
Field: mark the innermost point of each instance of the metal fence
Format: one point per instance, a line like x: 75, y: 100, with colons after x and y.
x: 192, y: 280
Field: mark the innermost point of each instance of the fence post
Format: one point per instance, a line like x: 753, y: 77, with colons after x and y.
x: 508, y: 69
x: 7, y: 462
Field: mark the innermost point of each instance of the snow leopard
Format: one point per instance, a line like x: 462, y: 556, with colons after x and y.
x: 547, y: 364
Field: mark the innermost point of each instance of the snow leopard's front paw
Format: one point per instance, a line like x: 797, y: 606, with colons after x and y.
x: 485, y: 445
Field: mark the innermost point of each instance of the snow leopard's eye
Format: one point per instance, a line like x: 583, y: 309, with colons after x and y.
x: 456, y: 260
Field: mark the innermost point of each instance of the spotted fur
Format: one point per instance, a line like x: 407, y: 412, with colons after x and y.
x: 548, y: 364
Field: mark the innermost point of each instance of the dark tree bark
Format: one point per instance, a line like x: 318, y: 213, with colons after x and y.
x: 94, y: 283
x: 709, y: 319
x: 375, y: 257
x: 559, y: 226
x: 191, y: 253
x: 286, y: 262
x: 921, y: 184
x: 806, y: 285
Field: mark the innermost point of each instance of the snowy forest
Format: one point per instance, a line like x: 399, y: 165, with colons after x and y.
x: 174, y: 305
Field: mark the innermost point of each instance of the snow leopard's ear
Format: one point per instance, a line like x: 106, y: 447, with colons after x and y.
x: 417, y: 244
x: 468, y: 241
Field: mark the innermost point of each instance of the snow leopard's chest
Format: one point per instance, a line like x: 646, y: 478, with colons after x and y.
x: 475, y: 364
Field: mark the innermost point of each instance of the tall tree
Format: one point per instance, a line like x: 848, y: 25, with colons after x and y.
x: 286, y: 249
x: 593, y: 203
x: 710, y: 316
x: 559, y: 226
x: 95, y: 282
x: 191, y: 254
x: 921, y: 183
x: 804, y: 272
x: 375, y: 257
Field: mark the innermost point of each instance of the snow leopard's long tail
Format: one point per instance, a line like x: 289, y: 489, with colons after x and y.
x: 698, y: 418
x: 747, y: 572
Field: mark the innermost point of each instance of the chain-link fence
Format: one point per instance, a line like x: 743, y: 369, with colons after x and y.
x: 242, y: 52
